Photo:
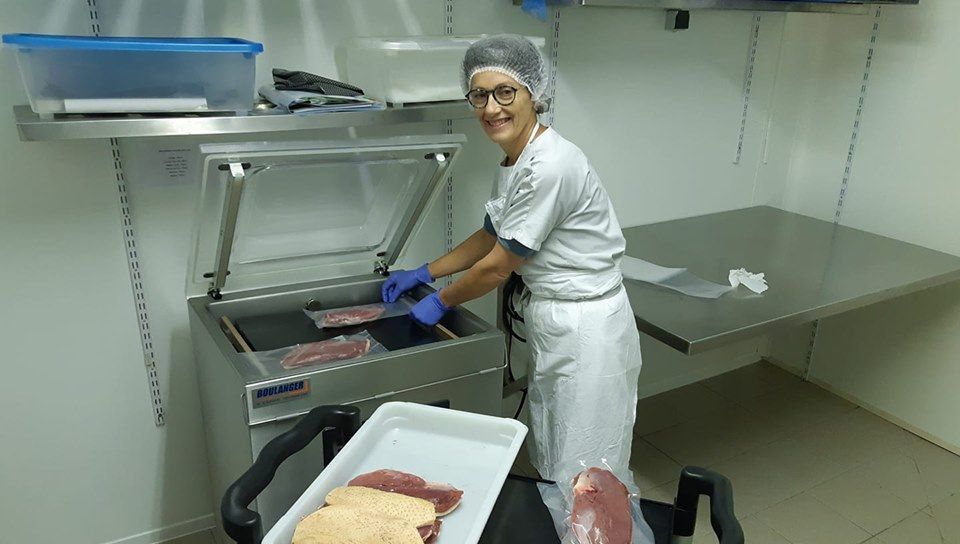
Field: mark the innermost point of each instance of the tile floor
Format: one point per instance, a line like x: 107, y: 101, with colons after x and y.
x: 807, y: 467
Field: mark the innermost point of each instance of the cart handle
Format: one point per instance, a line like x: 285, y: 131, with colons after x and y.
x: 244, y: 525
x: 696, y: 481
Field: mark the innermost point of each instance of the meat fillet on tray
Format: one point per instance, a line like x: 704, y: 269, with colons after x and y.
x: 384, y: 506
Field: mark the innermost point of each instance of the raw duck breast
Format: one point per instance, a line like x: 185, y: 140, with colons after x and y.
x: 334, y: 349
x: 601, y: 509
x: 445, y: 498
x: 351, y: 316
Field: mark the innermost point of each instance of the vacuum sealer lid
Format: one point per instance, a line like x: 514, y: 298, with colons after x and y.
x: 271, y: 213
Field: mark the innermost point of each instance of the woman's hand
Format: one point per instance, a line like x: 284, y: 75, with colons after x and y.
x: 401, y: 281
x: 429, y: 310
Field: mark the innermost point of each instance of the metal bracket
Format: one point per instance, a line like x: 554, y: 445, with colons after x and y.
x: 448, y: 240
x: 133, y: 260
x: 848, y: 167
x: 554, y: 62
x: 380, y: 266
x: 748, y: 84
x: 678, y: 19
x: 228, y: 226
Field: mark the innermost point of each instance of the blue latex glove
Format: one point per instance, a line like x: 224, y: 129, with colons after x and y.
x: 537, y: 8
x: 401, y: 281
x: 429, y: 310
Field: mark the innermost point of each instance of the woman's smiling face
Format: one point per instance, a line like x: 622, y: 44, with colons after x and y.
x: 504, y: 124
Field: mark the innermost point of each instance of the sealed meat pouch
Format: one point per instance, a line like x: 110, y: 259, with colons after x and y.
x: 357, y: 315
x: 340, y: 348
x: 596, y: 506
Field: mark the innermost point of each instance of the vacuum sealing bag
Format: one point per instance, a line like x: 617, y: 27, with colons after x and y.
x: 340, y: 348
x: 688, y: 283
x: 357, y: 315
x: 596, y: 506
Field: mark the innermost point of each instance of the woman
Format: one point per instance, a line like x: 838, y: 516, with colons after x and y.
x: 551, y: 221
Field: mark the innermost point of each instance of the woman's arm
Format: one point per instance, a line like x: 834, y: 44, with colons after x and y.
x: 464, y: 255
x: 483, y: 277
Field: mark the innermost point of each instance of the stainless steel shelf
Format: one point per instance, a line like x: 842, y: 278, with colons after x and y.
x: 815, y: 268
x: 77, y: 127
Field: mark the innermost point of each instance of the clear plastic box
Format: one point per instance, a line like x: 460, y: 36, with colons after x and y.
x: 409, y: 69
x: 81, y: 74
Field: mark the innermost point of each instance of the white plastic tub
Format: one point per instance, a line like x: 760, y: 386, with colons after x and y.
x: 469, y: 451
x: 79, y: 74
x: 409, y: 69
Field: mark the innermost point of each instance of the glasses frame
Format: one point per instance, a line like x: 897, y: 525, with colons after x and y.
x: 492, y: 93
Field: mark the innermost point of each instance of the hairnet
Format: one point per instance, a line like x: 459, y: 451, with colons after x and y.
x: 511, y: 55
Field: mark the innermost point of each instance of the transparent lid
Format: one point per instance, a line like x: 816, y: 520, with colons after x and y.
x: 276, y: 212
x: 419, y: 43
x: 415, y: 43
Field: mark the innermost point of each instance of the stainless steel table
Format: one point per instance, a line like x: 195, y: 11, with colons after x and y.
x: 814, y: 268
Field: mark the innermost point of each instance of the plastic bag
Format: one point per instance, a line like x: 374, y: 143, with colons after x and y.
x: 677, y: 279
x: 572, y: 502
x: 340, y: 348
x: 356, y: 315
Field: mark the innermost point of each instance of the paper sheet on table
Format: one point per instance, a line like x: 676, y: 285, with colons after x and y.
x: 677, y: 279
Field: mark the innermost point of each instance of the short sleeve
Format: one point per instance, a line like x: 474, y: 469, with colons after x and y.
x: 516, y: 248
x: 535, y: 209
x: 488, y: 225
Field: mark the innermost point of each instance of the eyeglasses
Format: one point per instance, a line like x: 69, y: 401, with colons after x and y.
x: 503, y: 94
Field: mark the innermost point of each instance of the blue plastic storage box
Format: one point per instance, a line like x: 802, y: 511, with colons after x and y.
x: 81, y: 74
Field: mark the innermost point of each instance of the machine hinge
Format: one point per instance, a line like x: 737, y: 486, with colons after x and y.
x: 228, y: 224
x: 380, y: 265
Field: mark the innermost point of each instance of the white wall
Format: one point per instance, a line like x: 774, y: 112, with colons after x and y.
x: 662, y: 135
x: 898, y: 357
x: 81, y: 458
x: 658, y: 113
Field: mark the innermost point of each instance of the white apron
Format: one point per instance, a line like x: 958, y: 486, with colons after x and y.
x: 585, y: 360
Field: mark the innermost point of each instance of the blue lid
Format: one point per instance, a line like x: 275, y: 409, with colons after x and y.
x: 134, y: 43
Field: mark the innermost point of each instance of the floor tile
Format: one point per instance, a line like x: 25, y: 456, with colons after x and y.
x: 677, y: 406
x: 900, y: 474
x: 656, y: 414
x: 947, y: 515
x: 798, y: 406
x: 939, y: 469
x: 863, y: 502
x: 854, y: 438
x: 695, y: 400
x: 751, y: 381
x: 650, y: 466
x: 919, y: 528
x: 757, y: 532
x: 203, y: 537
x: 662, y: 493
x: 772, y: 473
x: 710, y: 439
x: 804, y: 520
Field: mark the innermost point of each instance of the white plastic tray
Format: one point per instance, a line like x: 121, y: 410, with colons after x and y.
x: 469, y: 451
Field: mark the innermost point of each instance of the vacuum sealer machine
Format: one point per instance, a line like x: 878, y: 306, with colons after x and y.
x: 285, y: 225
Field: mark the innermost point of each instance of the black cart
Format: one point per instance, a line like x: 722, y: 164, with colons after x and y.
x: 519, y: 515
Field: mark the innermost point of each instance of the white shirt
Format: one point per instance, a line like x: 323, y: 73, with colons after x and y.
x: 553, y: 202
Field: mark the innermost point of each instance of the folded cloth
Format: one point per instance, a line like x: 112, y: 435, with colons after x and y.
x: 293, y: 80
x: 311, y: 102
